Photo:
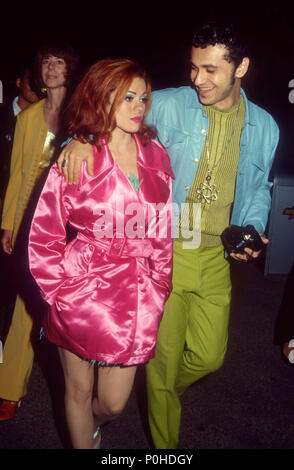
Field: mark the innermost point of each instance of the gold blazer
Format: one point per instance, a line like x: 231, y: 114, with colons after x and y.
x: 28, y: 144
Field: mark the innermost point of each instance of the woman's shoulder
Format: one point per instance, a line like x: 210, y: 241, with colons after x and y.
x: 31, y: 111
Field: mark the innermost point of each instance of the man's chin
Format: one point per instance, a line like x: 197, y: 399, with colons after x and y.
x: 205, y: 100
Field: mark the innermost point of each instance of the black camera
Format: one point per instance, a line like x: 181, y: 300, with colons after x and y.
x: 236, y: 238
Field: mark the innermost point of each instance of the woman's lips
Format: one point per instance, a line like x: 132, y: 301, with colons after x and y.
x: 137, y: 119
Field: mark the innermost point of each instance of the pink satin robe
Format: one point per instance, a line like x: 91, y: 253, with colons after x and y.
x: 106, y: 295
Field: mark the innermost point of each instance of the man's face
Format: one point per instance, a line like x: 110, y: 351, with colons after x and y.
x: 25, y: 90
x: 215, y: 79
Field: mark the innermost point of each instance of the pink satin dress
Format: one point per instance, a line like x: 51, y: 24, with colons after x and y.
x: 107, y: 288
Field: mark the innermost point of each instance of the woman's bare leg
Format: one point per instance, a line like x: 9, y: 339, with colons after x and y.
x: 114, y: 388
x: 79, y: 378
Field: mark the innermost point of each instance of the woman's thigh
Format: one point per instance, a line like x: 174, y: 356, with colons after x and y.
x: 78, y: 373
x: 115, y: 386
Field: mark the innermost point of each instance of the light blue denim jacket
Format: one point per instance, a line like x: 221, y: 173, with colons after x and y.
x: 182, y: 126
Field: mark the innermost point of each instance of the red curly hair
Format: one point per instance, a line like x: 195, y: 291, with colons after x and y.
x: 86, y: 112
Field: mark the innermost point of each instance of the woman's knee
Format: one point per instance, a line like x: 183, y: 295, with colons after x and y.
x: 112, y: 408
x: 114, y: 388
x: 79, y: 392
x: 78, y: 376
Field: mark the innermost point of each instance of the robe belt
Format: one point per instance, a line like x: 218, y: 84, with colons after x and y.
x: 117, y: 247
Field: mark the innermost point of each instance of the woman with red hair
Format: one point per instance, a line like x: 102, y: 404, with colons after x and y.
x: 106, y: 288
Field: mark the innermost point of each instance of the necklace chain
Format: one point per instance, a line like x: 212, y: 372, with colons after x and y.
x: 208, y: 192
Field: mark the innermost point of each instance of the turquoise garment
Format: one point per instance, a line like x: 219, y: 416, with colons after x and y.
x: 134, y: 180
x: 192, y: 336
x: 182, y: 126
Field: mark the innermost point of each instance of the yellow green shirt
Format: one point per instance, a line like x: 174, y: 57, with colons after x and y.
x: 222, y: 148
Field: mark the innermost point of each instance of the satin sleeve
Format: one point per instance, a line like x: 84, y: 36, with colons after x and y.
x: 161, y: 260
x: 47, y: 239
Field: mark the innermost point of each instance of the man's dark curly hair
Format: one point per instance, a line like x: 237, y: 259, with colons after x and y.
x: 213, y: 33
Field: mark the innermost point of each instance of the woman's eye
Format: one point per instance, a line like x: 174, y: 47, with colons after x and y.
x: 144, y: 99
x: 129, y: 98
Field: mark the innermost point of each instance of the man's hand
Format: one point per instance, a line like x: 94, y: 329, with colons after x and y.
x: 6, y: 241
x: 249, y: 254
x: 74, y: 154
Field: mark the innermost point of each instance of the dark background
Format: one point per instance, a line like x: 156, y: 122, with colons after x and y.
x: 248, y: 403
x: 158, y: 34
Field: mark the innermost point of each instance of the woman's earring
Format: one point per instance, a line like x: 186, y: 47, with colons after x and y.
x: 43, y: 90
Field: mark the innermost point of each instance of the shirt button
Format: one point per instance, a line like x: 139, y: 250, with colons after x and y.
x: 203, y: 131
x: 186, y: 188
x: 196, y: 160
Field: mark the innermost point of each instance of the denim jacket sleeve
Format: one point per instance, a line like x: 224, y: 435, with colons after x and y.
x: 258, y: 146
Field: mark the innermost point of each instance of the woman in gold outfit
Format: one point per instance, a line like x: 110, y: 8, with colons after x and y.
x: 33, y: 147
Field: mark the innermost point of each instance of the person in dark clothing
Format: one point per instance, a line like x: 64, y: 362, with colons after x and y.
x: 8, y: 113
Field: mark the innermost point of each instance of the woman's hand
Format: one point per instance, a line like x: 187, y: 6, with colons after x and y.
x: 6, y: 241
x: 71, y: 158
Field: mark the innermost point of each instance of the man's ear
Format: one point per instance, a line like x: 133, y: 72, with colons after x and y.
x: 242, y: 68
x: 18, y: 82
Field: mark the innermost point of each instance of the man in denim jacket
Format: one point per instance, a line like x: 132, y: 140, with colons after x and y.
x: 222, y: 148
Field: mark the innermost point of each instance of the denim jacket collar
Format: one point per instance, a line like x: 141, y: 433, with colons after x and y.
x: 249, y: 119
x: 195, y: 104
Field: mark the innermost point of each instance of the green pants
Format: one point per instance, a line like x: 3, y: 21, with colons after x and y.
x: 192, y: 337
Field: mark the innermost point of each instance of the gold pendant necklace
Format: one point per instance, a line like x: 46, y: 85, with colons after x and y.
x: 207, y: 193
